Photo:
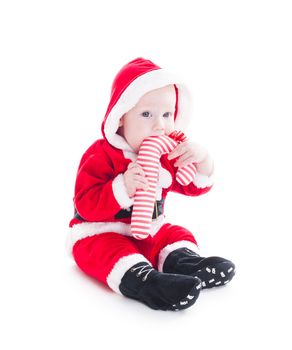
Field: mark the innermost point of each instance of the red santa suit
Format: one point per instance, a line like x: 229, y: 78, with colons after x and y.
x: 100, y: 235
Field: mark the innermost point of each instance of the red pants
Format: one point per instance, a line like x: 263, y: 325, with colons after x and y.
x: 107, y: 256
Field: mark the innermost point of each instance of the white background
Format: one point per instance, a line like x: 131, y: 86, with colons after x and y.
x: 58, y: 59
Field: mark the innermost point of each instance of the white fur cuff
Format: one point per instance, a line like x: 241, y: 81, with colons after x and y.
x: 203, y: 181
x: 171, y: 247
x: 121, y: 267
x: 120, y: 192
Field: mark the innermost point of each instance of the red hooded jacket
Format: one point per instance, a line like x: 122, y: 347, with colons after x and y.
x: 100, y: 192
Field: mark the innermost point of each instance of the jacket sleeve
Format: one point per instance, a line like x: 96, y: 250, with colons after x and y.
x: 99, y: 193
x: 201, y: 185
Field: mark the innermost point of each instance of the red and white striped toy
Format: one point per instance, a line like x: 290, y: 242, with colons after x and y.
x: 149, y: 155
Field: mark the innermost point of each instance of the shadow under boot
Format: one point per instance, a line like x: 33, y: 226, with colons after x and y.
x: 213, y: 271
x: 160, y: 291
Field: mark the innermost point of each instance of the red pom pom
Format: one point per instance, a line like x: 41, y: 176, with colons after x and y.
x: 178, y: 136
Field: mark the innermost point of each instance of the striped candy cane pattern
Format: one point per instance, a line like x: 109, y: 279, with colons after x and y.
x: 149, y: 155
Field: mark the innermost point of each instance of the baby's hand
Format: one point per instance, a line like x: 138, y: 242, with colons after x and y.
x: 135, y: 179
x: 191, y: 152
x: 188, y: 152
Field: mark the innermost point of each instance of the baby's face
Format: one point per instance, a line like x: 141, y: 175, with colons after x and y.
x: 153, y: 115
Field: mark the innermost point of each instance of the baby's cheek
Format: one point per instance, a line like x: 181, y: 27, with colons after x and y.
x: 169, y: 130
x: 138, y: 143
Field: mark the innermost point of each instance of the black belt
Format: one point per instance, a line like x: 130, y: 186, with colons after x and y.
x: 127, y: 213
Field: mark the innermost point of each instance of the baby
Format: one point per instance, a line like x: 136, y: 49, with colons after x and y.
x: 164, y: 270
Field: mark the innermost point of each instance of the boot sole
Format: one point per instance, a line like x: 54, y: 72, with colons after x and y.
x: 189, y: 300
x: 216, y: 275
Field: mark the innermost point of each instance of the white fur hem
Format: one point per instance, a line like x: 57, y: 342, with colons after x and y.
x: 88, y: 229
x: 140, y: 86
x: 203, y: 181
x: 120, y: 192
x: 171, y: 247
x: 121, y: 267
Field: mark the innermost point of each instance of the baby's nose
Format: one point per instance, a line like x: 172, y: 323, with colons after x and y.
x: 159, y: 124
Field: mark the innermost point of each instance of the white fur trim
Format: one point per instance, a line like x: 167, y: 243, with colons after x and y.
x: 120, y: 192
x: 203, y: 181
x: 88, y: 229
x: 171, y: 247
x: 157, y: 224
x: 121, y: 267
x: 165, y: 179
x: 130, y: 155
x: 140, y: 86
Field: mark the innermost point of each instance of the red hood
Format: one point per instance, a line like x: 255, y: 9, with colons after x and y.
x: 134, y: 80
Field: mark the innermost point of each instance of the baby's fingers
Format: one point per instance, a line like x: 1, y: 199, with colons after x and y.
x: 141, y: 182
x: 136, y: 169
x: 179, y: 150
x: 141, y: 186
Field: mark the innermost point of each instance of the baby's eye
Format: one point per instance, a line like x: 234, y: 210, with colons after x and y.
x: 167, y: 115
x: 146, y: 114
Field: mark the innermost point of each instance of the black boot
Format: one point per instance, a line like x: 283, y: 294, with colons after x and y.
x: 212, y: 271
x: 160, y: 291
